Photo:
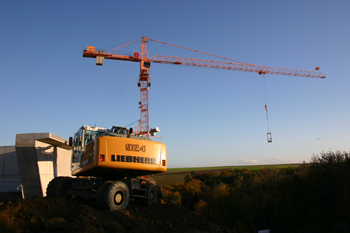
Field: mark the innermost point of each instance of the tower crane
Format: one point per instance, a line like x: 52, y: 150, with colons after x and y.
x: 145, y: 64
x: 113, y: 166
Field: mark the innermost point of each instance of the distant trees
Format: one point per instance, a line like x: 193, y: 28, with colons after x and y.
x: 314, y: 197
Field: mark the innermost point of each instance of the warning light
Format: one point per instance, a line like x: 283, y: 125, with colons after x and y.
x: 102, y: 158
x: 163, y: 162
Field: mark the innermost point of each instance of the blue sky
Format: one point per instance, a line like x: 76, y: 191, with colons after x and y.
x: 208, y: 117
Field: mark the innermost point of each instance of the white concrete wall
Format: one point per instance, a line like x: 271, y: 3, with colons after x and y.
x: 52, y: 162
x: 8, y: 163
x: 46, y: 159
x: 63, y: 162
x: 9, y: 172
x: 33, y: 163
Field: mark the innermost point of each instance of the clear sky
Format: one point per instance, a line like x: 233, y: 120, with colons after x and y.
x: 208, y: 117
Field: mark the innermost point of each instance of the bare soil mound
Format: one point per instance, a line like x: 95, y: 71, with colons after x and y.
x: 60, y: 215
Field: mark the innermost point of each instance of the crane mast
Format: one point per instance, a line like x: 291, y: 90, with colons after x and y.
x: 144, y: 84
x: 145, y: 64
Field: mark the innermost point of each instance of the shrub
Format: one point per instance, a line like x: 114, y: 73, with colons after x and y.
x: 309, y: 198
x: 200, y: 205
x: 170, y: 196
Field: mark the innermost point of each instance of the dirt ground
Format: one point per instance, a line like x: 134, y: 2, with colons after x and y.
x: 60, y: 215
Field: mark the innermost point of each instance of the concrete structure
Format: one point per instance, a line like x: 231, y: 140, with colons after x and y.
x: 41, y: 157
x: 10, y: 178
x: 36, y: 159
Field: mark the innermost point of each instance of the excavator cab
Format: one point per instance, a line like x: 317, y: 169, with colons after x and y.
x: 84, y: 136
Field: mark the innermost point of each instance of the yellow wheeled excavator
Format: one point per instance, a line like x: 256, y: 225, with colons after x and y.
x: 112, y: 166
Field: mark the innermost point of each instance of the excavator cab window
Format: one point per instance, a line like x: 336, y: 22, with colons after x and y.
x: 77, y: 145
x: 89, y: 136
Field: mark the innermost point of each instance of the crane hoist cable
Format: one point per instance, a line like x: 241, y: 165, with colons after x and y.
x: 269, y: 136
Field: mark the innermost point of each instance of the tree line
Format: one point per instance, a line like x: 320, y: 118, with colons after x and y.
x: 314, y: 197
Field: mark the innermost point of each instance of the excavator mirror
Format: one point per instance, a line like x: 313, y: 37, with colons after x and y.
x: 131, y: 130
x: 70, y: 141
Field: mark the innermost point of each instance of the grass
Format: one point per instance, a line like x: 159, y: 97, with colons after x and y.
x: 177, y: 175
x: 250, y: 167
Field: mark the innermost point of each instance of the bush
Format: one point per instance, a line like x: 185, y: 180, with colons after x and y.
x: 310, y: 198
x: 188, y: 193
x: 170, y: 196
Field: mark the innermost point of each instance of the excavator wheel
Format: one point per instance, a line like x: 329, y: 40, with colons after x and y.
x: 151, y: 196
x: 113, y: 196
x: 58, y: 186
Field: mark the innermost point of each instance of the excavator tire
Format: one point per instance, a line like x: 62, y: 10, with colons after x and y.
x: 113, y: 195
x: 57, y: 187
x: 151, y: 196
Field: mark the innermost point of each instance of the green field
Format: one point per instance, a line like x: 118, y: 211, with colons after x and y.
x: 177, y: 175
